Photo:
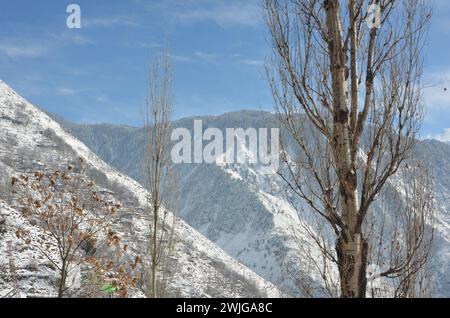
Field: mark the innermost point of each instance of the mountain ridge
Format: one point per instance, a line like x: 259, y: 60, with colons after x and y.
x: 245, y: 213
x: 219, y: 201
x: 32, y: 140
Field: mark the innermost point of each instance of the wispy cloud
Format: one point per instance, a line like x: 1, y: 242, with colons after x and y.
x: 444, y: 136
x: 148, y: 45
x: 27, y: 47
x: 101, y: 99
x: 198, y: 56
x: 110, y: 22
x: 225, y: 14
x: 252, y: 62
x: 216, y: 58
x: 69, y: 38
x: 437, y: 98
x: 207, y: 57
x: 18, y: 50
x: 437, y: 95
x: 180, y: 58
x: 66, y: 91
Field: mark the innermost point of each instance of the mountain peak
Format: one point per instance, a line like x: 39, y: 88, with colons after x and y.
x: 4, y: 86
x: 7, y: 93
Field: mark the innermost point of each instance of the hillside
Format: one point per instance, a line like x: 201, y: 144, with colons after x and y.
x: 30, y: 141
x: 248, y: 214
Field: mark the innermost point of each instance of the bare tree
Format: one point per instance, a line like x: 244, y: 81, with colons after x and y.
x: 76, y: 218
x: 350, y: 99
x: 401, y: 238
x: 400, y: 234
x: 160, y: 180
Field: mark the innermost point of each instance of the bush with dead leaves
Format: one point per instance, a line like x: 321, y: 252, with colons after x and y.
x: 77, y: 216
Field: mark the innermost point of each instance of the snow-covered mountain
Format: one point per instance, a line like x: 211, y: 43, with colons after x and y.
x: 29, y: 141
x: 247, y: 214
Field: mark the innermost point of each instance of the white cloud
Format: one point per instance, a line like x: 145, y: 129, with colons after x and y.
x: 101, y: 99
x: 209, y: 57
x: 215, y: 58
x: 223, y: 13
x: 65, y: 91
x: 27, y: 47
x: 68, y: 38
x: 149, y: 45
x: 180, y: 58
x: 444, y: 136
x: 252, y: 62
x: 109, y: 22
x: 437, y: 98
x: 437, y: 94
x: 15, y: 50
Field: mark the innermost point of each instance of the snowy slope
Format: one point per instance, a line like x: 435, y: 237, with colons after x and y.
x: 235, y: 207
x: 247, y: 214
x: 34, y: 274
x: 253, y: 208
x: 31, y: 140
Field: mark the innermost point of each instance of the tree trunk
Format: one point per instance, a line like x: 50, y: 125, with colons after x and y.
x: 350, y: 245
x: 352, y: 262
x: 154, y: 253
x: 62, y: 281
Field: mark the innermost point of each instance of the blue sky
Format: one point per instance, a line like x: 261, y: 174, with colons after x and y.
x: 98, y: 73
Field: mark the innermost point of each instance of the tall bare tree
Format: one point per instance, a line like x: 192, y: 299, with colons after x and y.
x: 349, y: 94
x: 159, y: 172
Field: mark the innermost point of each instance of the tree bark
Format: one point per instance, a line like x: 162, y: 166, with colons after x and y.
x: 352, y: 262
x: 351, y: 242
x: 154, y: 253
x: 62, y: 281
